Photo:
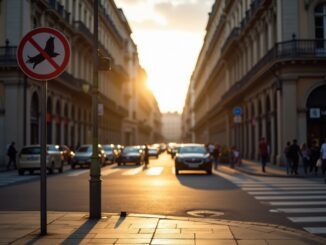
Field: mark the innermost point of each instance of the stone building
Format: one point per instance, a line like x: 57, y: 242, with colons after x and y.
x: 171, y: 126
x: 266, y: 57
x: 69, y: 119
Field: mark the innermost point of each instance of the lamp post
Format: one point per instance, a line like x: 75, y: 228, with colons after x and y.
x: 95, y: 181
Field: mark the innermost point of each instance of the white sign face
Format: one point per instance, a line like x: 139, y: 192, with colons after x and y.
x: 43, y: 53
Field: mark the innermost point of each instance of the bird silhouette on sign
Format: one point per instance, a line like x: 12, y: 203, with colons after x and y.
x: 49, y: 49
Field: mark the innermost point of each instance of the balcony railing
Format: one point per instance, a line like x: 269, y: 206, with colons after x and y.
x: 8, y: 55
x: 82, y: 28
x: 289, y: 50
x: 59, y: 9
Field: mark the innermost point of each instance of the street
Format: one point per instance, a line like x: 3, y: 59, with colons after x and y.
x: 296, y: 203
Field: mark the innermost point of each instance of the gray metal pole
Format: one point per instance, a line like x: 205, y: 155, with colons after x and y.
x: 43, y: 159
x: 95, y: 171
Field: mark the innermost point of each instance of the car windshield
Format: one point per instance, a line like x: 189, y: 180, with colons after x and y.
x: 31, y: 150
x: 193, y: 149
x: 131, y: 150
x: 84, y: 149
x: 53, y: 148
x: 107, y: 148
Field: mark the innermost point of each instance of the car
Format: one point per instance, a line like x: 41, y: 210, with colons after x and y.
x: 83, y: 156
x: 133, y: 154
x: 111, y: 153
x: 193, y: 157
x: 66, y: 153
x: 29, y: 159
x: 153, y: 152
x: 174, y: 150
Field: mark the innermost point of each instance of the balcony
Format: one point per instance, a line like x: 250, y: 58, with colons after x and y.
x: 8, y: 55
x: 59, y: 9
x: 282, y: 52
x: 71, y: 82
x: 231, y: 40
x: 84, y: 31
x: 251, y: 13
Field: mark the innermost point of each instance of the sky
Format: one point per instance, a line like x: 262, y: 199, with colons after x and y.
x: 169, y: 35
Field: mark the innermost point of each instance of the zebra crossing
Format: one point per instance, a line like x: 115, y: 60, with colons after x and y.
x: 8, y: 178
x: 302, y: 201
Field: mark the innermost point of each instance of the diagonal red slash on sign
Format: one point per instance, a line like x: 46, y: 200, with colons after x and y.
x: 43, y: 53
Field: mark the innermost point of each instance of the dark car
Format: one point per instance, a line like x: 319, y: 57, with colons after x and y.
x: 111, y: 153
x: 133, y: 154
x: 153, y: 151
x: 193, y: 157
x: 83, y: 156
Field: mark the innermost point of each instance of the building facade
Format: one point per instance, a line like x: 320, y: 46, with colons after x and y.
x: 171, y: 127
x: 266, y: 58
x: 69, y: 119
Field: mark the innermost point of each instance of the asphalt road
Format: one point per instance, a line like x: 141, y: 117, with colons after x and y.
x: 156, y: 190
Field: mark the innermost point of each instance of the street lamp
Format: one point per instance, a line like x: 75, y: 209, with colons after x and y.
x: 95, y: 181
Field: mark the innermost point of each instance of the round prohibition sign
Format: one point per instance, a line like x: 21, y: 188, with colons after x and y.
x: 43, y: 53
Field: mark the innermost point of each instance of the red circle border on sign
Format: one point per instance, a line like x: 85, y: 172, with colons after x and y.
x: 27, y: 37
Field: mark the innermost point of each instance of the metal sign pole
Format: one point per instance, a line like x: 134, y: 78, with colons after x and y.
x: 43, y: 158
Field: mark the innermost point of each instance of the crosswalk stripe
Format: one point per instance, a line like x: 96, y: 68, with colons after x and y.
x: 302, y: 210
x: 316, y: 230
x: 78, y: 172
x: 154, y: 171
x: 311, y: 219
x: 109, y: 171
x: 297, y: 203
x: 283, y: 188
x: 133, y: 171
x: 285, y: 192
x: 289, y: 197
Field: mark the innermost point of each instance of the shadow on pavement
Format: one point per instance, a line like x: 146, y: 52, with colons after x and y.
x: 81, y: 232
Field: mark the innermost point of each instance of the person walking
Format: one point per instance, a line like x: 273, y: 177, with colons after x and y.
x: 146, y: 156
x: 314, y: 156
x: 287, y: 157
x: 305, y: 151
x: 12, y: 155
x: 323, y: 157
x: 263, y: 153
x: 294, y: 153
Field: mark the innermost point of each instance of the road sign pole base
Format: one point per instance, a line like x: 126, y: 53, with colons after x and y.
x: 95, y: 184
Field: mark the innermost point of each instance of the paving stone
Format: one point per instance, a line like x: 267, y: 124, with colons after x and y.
x: 167, y: 226
x: 172, y: 241
x: 252, y: 242
x: 215, y: 242
x: 289, y: 242
x: 161, y: 231
x: 133, y: 241
x: 241, y: 233
x: 175, y: 236
x: 222, y: 235
x: 147, y: 231
x: 198, y: 230
x: 122, y: 235
x: 102, y: 241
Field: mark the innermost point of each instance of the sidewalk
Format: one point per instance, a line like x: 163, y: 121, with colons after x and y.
x: 254, y: 168
x: 75, y: 228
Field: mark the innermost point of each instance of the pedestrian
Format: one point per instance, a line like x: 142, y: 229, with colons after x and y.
x: 263, y: 153
x: 146, y: 156
x: 287, y: 157
x: 305, y: 151
x: 11, y: 153
x: 294, y: 153
x: 323, y: 157
x: 216, y: 154
x: 314, y: 156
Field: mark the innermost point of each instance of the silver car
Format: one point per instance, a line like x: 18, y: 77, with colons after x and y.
x: 83, y: 156
x: 30, y: 159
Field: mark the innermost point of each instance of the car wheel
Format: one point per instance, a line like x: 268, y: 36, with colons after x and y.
x: 73, y: 166
x: 209, y: 172
x: 31, y: 172
x: 21, y: 171
x: 51, y: 169
x: 177, y: 172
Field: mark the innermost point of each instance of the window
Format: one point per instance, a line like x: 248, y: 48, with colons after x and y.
x: 320, y: 25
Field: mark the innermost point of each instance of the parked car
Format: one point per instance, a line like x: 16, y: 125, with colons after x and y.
x: 153, y: 152
x: 193, y: 157
x: 83, y: 156
x: 133, y: 154
x: 174, y: 150
x: 111, y: 153
x: 29, y: 159
x: 66, y: 153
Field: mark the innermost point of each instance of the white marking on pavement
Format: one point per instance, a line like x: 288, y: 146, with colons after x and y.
x: 301, y: 210
x: 109, y: 171
x: 154, y: 171
x: 288, y: 197
x: 297, y: 203
x: 78, y: 172
x: 316, y: 230
x: 285, y: 192
x: 308, y: 219
x: 133, y: 171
